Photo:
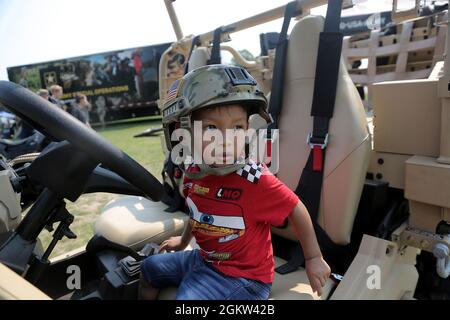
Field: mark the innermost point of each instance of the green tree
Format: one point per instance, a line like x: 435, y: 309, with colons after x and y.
x: 244, y: 53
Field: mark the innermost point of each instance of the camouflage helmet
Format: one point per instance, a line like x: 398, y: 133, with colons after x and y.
x: 205, y: 87
x: 210, y: 86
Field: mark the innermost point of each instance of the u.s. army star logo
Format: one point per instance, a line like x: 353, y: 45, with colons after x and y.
x: 50, y: 78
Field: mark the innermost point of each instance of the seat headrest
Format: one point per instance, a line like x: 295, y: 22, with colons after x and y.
x: 199, y: 58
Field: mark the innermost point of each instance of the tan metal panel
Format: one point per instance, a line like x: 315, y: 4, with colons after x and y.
x: 427, y: 181
x: 407, y: 117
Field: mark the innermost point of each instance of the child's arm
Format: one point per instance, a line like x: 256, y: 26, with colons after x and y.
x: 317, y: 269
x: 178, y: 243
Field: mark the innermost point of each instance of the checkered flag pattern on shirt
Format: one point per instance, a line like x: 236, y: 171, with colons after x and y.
x: 251, y: 171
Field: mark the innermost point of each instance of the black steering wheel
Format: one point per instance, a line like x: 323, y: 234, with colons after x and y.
x: 59, y: 125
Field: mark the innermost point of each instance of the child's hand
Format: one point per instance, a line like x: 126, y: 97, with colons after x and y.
x: 172, y: 244
x: 318, y: 272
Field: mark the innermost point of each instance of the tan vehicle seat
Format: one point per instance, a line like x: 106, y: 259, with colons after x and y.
x: 199, y: 57
x: 348, y: 151
x: 14, y: 287
x: 135, y: 221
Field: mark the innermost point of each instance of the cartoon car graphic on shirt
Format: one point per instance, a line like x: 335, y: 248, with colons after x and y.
x: 216, y: 218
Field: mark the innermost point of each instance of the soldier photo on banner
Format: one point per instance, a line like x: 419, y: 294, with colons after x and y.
x: 175, y: 64
x: 118, y: 84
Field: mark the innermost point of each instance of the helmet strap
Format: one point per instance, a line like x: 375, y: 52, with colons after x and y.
x: 207, y: 170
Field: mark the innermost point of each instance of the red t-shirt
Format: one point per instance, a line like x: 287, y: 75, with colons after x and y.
x: 231, y: 217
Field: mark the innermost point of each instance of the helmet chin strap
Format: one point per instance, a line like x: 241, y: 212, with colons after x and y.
x: 207, y: 170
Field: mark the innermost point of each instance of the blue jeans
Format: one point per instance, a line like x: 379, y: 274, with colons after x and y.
x: 197, y: 279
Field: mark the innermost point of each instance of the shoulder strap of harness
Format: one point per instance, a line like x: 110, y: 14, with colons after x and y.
x: 276, y: 93
x: 324, y: 95
x: 195, y: 43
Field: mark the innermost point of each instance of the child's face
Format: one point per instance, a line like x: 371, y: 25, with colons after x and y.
x: 228, y: 122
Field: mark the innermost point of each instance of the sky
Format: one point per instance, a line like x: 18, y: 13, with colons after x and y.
x: 34, y: 31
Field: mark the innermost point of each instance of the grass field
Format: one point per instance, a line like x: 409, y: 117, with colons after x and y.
x: 147, y: 151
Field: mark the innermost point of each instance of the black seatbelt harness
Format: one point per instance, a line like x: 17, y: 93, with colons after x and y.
x: 324, y: 96
x: 172, y: 196
x: 195, y: 43
x: 276, y: 93
x: 215, y: 51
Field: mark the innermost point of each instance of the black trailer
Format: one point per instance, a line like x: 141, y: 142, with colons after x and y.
x: 119, y: 84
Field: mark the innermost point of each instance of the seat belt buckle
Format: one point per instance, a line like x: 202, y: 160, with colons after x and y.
x: 317, y: 145
x: 317, y: 142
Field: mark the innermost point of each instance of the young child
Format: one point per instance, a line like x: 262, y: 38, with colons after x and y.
x: 232, y: 203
